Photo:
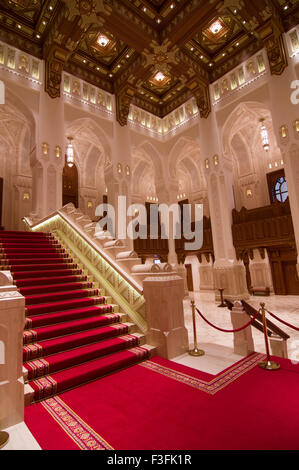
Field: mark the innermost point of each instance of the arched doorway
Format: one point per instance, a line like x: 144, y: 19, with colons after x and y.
x: 70, y: 185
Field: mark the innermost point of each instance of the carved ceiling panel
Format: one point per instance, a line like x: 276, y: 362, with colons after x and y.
x: 152, y: 53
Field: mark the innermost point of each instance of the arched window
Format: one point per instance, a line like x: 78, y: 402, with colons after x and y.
x: 280, y: 190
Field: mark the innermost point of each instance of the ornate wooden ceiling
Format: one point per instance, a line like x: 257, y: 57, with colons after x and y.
x: 153, y: 53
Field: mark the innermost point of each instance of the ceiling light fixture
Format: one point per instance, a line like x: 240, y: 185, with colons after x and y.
x: 159, y: 77
x: 265, y: 136
x: 102, y: 40
x: 70, y: 153
x: 216, y: 27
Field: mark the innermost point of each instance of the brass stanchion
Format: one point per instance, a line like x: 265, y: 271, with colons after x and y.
x: 195, y: 352
x: 4, y: 438
x: 222, y: 305
x: 268, y: 364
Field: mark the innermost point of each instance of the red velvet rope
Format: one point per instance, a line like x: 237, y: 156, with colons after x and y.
x: 228, y: 331
x: 282, y: 321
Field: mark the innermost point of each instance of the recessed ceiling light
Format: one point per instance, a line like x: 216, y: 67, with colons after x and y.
x: 19, y: 26
x: 84, y: 61
x: 110, y: 75
x: 216, y: 27
x: 50, y: 7
x: 102, y: 40
x: 159, y: 77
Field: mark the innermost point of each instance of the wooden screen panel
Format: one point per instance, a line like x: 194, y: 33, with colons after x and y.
x: 189, y: 277
x: 284, y: 271
x: 1, y: 201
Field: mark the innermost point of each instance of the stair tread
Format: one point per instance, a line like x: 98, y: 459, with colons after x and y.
x: 58, y: 317
x: 77, y: 375
x: 64, y: 295
x: 82, y: 354
x: 66, y: 327
x: 64, y: 305
x: 73, y: 340
x: 34, y: 290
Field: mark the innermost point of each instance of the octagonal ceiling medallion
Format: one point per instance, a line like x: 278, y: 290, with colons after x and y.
x: 216, y: 29
x: 100, y: 44
x: 160, y: 79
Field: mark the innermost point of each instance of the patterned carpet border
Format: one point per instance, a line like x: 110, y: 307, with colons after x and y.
x: 215, y: 385
x: 79, y: 431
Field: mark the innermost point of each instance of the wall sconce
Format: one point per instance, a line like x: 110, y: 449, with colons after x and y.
x: 119, y: 168
x: 296, y: 128
x: 106, y: 190
x: 26, y: 196
x: 128, y: 170
x: 57, y: 151
x: 45, y: 148
x: 249, y: 193
x: 89, y: 205
x: 207, y: 164
x: 216, y: 160
x: 284, y: 132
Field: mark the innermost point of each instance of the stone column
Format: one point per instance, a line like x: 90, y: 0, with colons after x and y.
x: 22, y: 199
x: 229, y: 273
x: 168, y: 195
x: 89, y: 198
x: 260, y: 270
x: 47, y: 162
x: 285, y: 118
x: 12, y: 317
x: 118, y: 176
x: 165, y: 315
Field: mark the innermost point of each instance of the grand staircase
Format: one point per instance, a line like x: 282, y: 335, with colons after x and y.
x: 73, y: 332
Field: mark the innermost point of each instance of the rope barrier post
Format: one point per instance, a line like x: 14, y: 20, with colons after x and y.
x: 223, y: 304
x: 268, y: 364
x: 4, y: 438
x: 195, y: 352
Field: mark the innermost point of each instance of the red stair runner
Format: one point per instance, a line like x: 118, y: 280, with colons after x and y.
x: 71, y: 331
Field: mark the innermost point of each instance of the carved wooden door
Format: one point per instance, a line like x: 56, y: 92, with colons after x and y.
x: 70, y: 185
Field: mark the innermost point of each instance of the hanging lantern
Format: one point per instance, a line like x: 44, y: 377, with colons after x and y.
x: 70, y: 153
x: 265, y: 136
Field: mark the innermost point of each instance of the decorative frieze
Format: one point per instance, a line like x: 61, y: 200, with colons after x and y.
x: 20, y: 63
x: 240, y: 77
x: 76, y: 90
x: 169, y: 125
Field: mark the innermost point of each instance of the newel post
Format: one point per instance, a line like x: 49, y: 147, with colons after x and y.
x: 12, y: 317
x: 243, y: 340
x: 165, y: 315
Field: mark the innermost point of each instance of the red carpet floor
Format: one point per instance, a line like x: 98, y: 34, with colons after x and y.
x: 72, y: 333
x: 162, y: 405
